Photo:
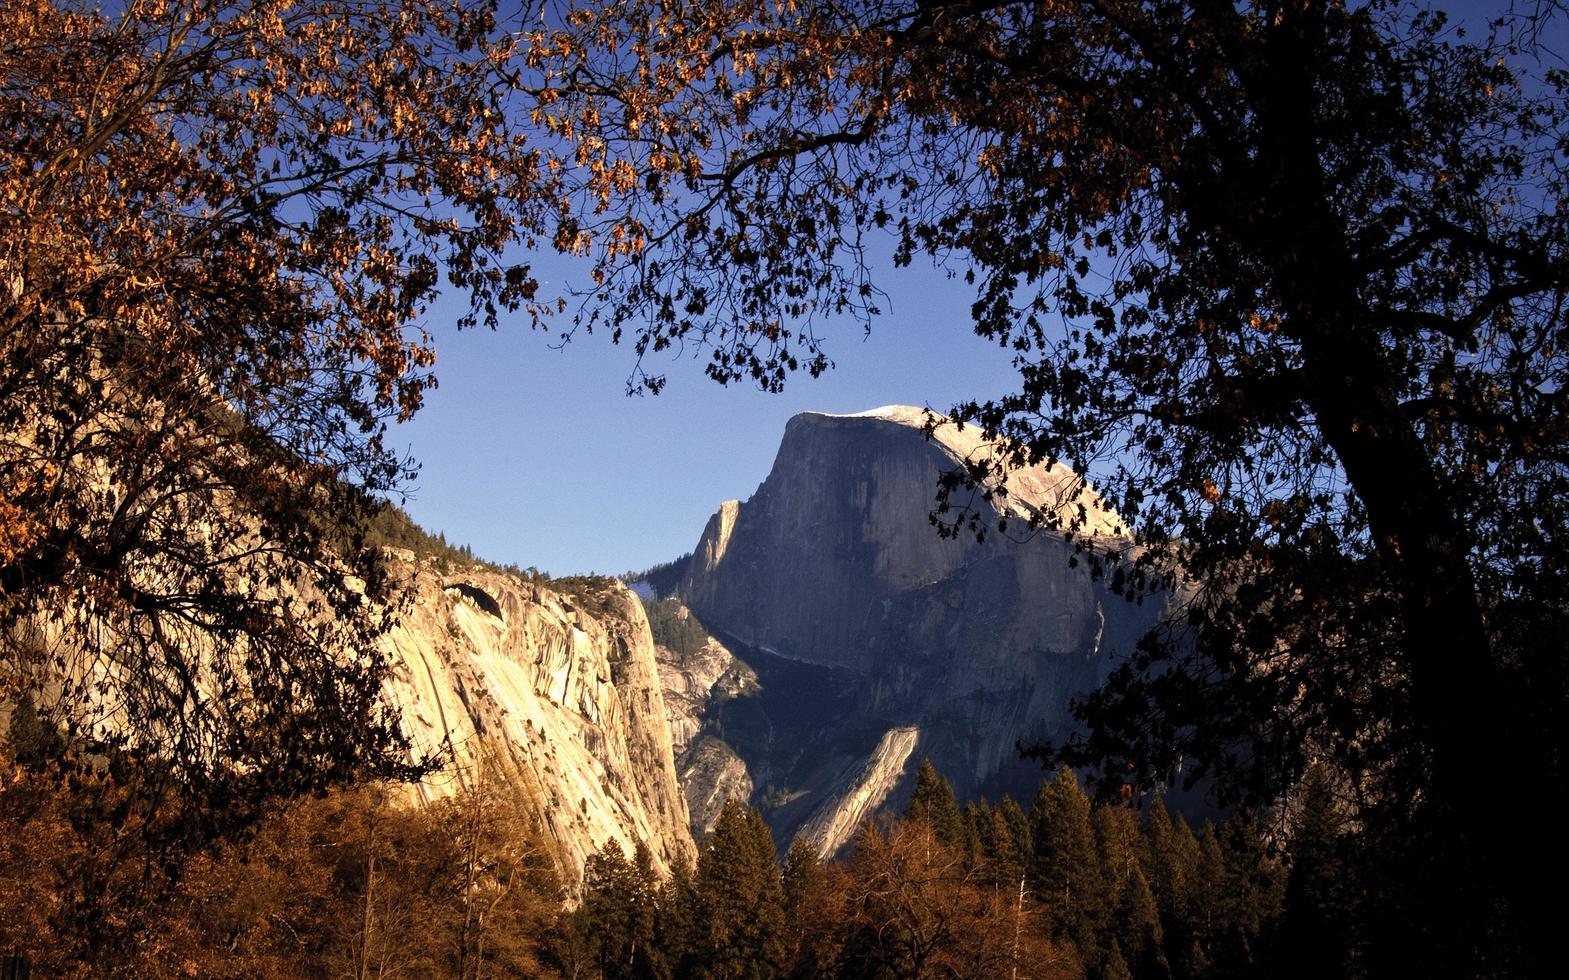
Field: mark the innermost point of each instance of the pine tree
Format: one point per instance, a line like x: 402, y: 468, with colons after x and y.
x: 617, y: 914
x: 1018, y: 823
x: 933, y: 804
x: 1134, y: 926
x: 1117, y: 838
x: 742, y: 895
x: 1173, y: 856
x: 644, y: 901
x: 808, y: 902
x: 1007, y: 859
x: 678, y: 920
x: 1138, y: 930
x: 1115, y: 966
x: 1161, y: 866
x: 1314, y: 936
x: 1255, y: 888
x: 979, y: 843
x: 1208, y: 905
x: 1067, y: 868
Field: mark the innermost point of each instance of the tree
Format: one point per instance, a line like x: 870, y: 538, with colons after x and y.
x: 617, y: 916
x: 1285, y: 276
x: 678, y: 919
x: 934, y: 805
x: 1255, y: 882
x: 1172, y: 861
x: 742, y: 898
x: 296, y: 898
x: 506, y: 896
x: 223, y: 222
x: 1134, y: 923
x: 1315, y: 935
x: 1068, y: 875
x: 1139, y: 935
x: 999, y: 840
x: 810, y: 904
x: 913, y: 909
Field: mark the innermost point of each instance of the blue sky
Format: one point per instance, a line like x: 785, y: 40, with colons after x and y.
x: 535, y: 455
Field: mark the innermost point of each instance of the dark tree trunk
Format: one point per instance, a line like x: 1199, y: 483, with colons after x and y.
x: 1480, y: 756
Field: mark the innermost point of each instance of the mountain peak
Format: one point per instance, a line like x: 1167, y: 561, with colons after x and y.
x: 1037, y: 489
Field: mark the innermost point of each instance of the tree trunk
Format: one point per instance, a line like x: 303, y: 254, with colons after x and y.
x: 1459, y: 697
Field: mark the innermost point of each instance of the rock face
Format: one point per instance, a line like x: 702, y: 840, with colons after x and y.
x: 875, y: 641
x: 846, y: 807
x: 559, y: 692
x: 711, y: 776
x: 695, y: 682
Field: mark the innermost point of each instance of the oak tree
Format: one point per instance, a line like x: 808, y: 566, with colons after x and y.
x: 221, y: 225
x: 1285, y: 277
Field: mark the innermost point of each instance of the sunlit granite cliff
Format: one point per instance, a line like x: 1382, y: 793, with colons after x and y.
x: 561, y: 693
x: 875, y: 641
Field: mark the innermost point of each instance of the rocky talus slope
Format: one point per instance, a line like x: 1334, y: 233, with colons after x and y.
x: 876, y: 642
x: 559, y: 692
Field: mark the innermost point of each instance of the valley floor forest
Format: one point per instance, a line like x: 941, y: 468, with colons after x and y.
x: 1283, y: 281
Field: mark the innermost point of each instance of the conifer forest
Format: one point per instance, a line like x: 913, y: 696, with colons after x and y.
x: 358, y: 884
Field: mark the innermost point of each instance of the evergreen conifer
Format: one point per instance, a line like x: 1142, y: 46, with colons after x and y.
x: 1067, y: 867
x: 807, y: 904
x: 934, y: 805
x: 1314, y: 937
x: 742, y: 895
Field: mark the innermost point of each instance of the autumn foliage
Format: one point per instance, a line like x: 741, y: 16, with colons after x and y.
x: 221, y: 224
x: 1287, y: 278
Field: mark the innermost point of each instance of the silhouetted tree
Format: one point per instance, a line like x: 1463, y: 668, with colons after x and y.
x: 224, y: 225
x: 1283, y: 276
x: 1315, y: 937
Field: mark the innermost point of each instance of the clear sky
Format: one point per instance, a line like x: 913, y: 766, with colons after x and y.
x: 534, y: 455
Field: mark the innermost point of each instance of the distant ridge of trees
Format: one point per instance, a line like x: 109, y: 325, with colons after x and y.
x: 663, y: 577
x: 390, y: 526
x: 674, y: 626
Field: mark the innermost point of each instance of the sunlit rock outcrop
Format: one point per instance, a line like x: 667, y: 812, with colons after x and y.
x: 559, y: 692
x: 856, y: 797
x: 711, y: 776
x: 692, y: 682
x: 695, y: 681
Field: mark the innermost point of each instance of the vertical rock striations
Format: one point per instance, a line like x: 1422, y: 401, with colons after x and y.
x: 557, y: 691
x: 865, y: 626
